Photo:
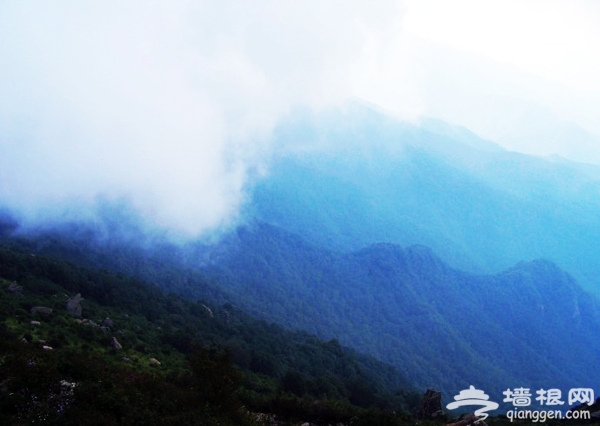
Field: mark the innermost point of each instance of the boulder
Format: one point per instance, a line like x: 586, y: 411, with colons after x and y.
x: 154, y: 361
x: 15, y: 289
x: 114, y: 343
x: 74, y: 305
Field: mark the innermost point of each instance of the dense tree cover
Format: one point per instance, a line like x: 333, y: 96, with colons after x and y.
x: 99, y: 391
x: 215, y: 364
x: 531, y: 325
x: 419, y: 304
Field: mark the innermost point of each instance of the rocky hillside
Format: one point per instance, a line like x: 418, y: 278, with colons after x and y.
x: 86, y: 346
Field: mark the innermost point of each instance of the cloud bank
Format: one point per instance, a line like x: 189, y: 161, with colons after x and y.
x: 169, y: 106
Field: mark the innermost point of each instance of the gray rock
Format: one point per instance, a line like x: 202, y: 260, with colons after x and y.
x: 15, y: 289
x: 208, y: 310
x: 74, y: 305
x: 114, y: 343
x: 154, y: 361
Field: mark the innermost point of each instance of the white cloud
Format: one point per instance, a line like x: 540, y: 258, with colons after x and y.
x: 171, y: 104
x: 167, y: 104
x: 490, y: 66
x: 553, y: 40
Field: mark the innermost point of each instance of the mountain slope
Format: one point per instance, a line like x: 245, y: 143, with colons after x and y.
x: 529, y: 325
x: 356, y: 178
x: 44, y: 345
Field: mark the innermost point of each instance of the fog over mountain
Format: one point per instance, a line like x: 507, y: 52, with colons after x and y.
x: 357, y: 178
x: 417, y: 180
x: 155, y: 104
x: 171, y: 108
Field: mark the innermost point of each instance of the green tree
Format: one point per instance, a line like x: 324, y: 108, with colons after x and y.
x: 216, y: 378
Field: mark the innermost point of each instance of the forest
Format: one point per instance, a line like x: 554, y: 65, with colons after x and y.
x: 176, y: 362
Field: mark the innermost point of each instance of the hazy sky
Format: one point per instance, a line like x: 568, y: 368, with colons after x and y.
x: 170, y: 105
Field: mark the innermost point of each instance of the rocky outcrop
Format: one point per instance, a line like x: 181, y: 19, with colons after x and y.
x: 209, y: 311
x: 431, y: 405
x: 74, y: 305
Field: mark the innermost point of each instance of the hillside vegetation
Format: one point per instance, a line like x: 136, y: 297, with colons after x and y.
x: 174, y: 361
x: 531, y: 325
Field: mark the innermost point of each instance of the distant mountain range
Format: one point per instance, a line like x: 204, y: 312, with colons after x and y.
x: 355, y: 178
x: 530, y: 326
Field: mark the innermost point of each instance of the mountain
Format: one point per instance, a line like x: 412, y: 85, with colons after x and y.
x: 453, y: 260
x: 530, y: 325
x: 127, y: 353
x: 357, y: 177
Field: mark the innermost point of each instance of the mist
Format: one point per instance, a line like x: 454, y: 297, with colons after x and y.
x: 170, y: 108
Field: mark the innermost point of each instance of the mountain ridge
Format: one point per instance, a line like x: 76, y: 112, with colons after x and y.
x: 349, y: 180
x: 382, y: 287
x: 530, y: 325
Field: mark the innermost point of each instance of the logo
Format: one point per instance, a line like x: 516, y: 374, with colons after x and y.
x: 475, y: 397
x: 522, y: 398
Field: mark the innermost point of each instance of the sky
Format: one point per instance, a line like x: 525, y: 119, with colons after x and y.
x: 170, y: 106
